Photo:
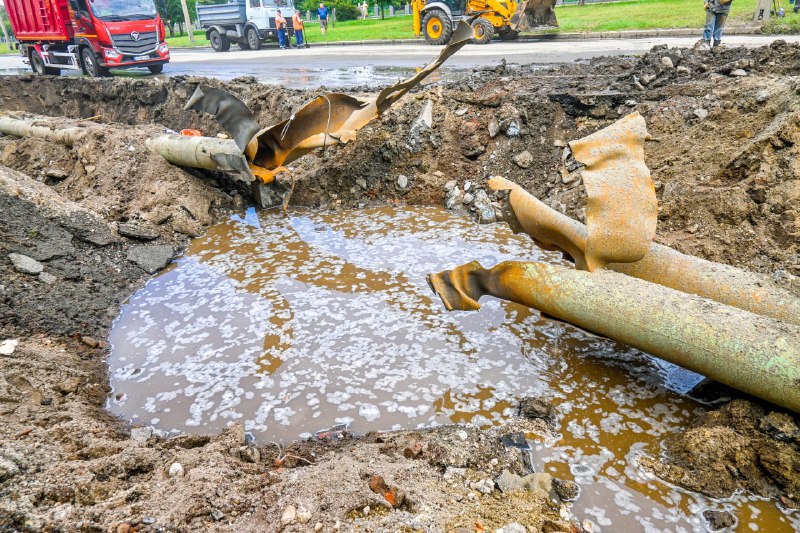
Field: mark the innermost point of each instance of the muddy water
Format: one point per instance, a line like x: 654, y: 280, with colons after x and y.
x: 292, y: 325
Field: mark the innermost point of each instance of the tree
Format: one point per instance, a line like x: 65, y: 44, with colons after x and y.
x: 3, y: 17
x: 172, y: 13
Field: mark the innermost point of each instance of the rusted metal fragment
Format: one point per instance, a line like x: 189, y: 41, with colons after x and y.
x: 662, y: 265
x: 756, y: 354
x: 326, y: 120
x: 621, y: 208
x: 231, y: 113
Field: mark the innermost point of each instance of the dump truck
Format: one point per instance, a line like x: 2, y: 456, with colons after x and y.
x: 435, y: 19
x: 247, y: 23
x: 90, y: 35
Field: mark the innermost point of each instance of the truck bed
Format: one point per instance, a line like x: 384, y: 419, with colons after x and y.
x: 222, y: 14
x: 34, y: 20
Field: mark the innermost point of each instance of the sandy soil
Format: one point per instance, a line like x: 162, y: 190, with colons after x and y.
x: 725, y: 161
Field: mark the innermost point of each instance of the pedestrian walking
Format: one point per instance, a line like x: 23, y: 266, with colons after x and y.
x: 280, y: 23
x: 297, y: 22
x: 716, y: 14
x: 323, y: 18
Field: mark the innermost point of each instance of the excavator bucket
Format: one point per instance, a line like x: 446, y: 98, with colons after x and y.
x: 533, y: 14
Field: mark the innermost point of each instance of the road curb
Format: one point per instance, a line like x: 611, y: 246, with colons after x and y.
x: 573, y: 36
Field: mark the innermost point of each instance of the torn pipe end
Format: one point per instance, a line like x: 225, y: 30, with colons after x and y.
x: 196, y: 96
x: 456, y: 288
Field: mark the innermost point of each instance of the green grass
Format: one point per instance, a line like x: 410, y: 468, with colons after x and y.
x: 5, y: 49
x: 183, y: 41
x: 790, y: 25
x: 616, y: 16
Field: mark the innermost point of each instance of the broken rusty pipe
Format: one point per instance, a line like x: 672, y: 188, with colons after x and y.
x: 33, y: 127
x: 201, y: 152
x: 756, y: 354
x: 662, y: 265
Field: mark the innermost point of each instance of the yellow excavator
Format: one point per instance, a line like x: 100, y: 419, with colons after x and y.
x: 436, y: 19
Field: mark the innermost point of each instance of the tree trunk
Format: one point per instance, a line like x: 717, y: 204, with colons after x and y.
x: 180, y: 28
x: 188, y: 20
x: 5, y: 31
x: 171, y: 27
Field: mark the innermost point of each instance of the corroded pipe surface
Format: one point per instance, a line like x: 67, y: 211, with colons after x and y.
x: 756, y: 354
x: 201, y: 152
x: 662, y: 265
x: 34, y: 127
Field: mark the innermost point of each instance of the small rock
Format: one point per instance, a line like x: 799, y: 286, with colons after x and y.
x: 362, y: 183
x: 289, y: 514
x: 123, y: 528
x: 402, y: 181
x: 513, y: 527
x: 453, y: 199
x: 450, y: 185
x: 318, y: 526
x: 25, y: 264
x: 588, y: 526
x: 137, y: 231
x: 532, y: 408
x: 484, y: 207
x: 141, y: 434
x: 762, y: 96
x: 494, y: 128
x: 508, y: 481
x: 693, y: 228
x: 647, y: 79
x: 513, y: 129
x: 484, y: 486
x: 366, y: 510
x: 558, y: 143
x: 682, y: 70
x: 89, y: 169
x: 56, y: 173
x: 667, y: 62
x: 90, y: 341
x: 540, y: 482
x: 303, y: 515
x: 152, y: 258
x: 523, y: 159
x: 217, y: 515
x: 719, y: 519
x: 8, y: 346
x: 467, y: 186
x: 147, y: 520
x: 46, y: 277
x: 463, y: 435
x: 567, y: 490
x: 131, y: 148
x: 69, y: 385
x: 630, y: 103
x: 701, y: 113
x: 176, y: 470
x: 461, y: 112
x: 468, y: 198
x: 738, y: 73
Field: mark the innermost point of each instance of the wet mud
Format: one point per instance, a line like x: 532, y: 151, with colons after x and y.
x: 646, y: 450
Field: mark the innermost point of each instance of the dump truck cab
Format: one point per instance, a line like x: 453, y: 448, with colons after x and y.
x: 92, y: 35
x: 248, y: 23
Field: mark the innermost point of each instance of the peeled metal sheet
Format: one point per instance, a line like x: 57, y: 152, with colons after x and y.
x: 326, y: 120
x: 621, y: 209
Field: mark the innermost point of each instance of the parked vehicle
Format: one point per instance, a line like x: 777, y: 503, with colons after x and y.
x: 92, y: 35
x: 248, y: 23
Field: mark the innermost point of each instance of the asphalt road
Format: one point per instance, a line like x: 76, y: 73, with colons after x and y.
x: 377, y: 65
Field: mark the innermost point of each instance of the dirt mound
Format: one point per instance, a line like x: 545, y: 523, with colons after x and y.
x: 740, y: 446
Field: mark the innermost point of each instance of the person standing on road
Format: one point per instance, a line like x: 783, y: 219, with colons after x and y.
x: 716, y: 14
x: 297, y: 23
x: 323, y: 18
x: 280, y: 23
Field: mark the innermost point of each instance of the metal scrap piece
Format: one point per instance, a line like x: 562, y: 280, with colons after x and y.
x: 621, y: 209
x: 329, y: 119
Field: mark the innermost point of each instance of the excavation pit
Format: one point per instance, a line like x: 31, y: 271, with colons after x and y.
x: 291, y: 325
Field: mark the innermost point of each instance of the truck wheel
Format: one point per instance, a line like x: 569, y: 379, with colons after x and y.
x: 437, y: 27
x: 91, y: 65
x: 253, y: 40
x: 482, y: 31
x: 155, y: 69
x: 243, y: 45
x: 39, y: 68
x: 219, y: 42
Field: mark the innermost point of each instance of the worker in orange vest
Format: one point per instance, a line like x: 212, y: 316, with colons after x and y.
x: 297, y: 22
x: 280, y: 23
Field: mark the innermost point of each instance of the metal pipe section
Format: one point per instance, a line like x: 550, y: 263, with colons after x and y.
x: 201, y: 152
x: 662, y: 265
x: 755, y: 354
x: 28, y: 127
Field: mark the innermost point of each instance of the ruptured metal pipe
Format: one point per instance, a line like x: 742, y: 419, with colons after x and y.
x: 200, y: 152
x: 662, y: 265
x: 32, y: 127
x: 756, y: 354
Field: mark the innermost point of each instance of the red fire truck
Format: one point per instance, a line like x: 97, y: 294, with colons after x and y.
x: 92, y: 35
